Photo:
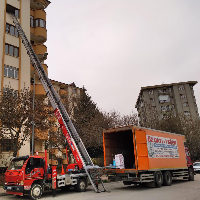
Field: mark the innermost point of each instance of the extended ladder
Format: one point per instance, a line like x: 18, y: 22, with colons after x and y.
x: 78, y: 149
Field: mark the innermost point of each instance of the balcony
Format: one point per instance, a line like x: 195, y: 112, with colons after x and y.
x: 39, y: 4
x: 41, y: 51
x: 39, y: 34
x: 45, y: 67
x: 40, y: 14
x: 63, y: 92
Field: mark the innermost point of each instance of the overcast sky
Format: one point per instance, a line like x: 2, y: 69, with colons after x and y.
x: 115, y: 47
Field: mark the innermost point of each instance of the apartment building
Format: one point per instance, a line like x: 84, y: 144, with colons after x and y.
x: 165, y: 99
x: 15, y: 68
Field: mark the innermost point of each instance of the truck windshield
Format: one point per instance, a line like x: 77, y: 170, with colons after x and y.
x: 16, y: 164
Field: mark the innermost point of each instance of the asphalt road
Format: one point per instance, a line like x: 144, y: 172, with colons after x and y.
x: 180, y: 190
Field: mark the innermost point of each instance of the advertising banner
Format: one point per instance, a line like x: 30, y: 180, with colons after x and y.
x: 160, y: 147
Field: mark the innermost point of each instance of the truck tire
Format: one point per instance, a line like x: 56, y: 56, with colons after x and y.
x: 158, y: 178
x: 190, y: 174
x: 167, y: 178
x: 35, y: 191
x: 65, y: 188
x: 81, y: 185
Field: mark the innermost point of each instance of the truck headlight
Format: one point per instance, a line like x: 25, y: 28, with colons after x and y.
x: 21, y: 183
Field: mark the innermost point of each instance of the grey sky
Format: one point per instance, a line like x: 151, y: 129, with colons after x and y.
x: 115, y: 47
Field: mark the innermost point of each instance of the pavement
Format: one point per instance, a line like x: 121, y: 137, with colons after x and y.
x: 2, y: 192
x: 179, y: 190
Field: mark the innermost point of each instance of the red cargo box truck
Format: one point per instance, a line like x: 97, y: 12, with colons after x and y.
x: 150, y: 156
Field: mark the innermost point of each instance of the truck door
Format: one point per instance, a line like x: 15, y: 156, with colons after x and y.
x: 35, y: 167
x: 141, y: 151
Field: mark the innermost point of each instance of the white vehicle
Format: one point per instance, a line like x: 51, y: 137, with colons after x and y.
x: 196, y: 166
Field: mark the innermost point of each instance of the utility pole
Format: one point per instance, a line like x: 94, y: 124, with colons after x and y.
x: 33, y: 130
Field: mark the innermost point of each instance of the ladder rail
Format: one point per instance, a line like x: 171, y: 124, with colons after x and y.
x: 50, y: 91
x: 78, y: 148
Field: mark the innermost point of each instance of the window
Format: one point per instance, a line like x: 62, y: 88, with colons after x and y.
x: 12, y: 50
x: 183, y: 96
x: 6, y: 48
x: 172, y: 106
x: 191, y: 87
x: 150, y: 91
x: 11, y: 72
x: 31, y: 21
x: 16, y: 53
x: 170, y: 89
x: 74, y: 91
x: 16, y: 33
x: 164, y: 98
x: 40, y: 23
x: 160, y: 91
x: 7, y: 28
x: 187, y: 113
x: 164, y: 116
x: 151, y: 100
x: 167, y: 108
x: 162, y: 108
x: 154, y: 108
x: 185, y: 104
x: 12, y: 10
x: 6, y: 145
x: 36, y: 23
x: 5, y: 70
x: 181, y: 87
x: 10, y: 29
x: 164, y: 90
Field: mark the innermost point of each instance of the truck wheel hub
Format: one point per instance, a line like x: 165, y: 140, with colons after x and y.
x: 36, y: 191
x: 82, y: 185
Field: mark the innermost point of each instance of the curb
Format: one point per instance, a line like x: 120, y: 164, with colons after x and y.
x: 4, y: 194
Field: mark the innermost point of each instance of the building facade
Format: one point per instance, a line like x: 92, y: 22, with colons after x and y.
x: 15, y: 69
x: 167, y: 99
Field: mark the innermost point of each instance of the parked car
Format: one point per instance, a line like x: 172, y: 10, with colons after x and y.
x: 196, y: 166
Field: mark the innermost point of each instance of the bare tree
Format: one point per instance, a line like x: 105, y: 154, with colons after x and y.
x: 16, y: 117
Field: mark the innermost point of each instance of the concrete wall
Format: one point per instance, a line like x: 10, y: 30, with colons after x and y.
x: 2, y: 35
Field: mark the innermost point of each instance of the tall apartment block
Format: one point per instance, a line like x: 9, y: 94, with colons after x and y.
x: 174, y: 98
x: 15, y: 68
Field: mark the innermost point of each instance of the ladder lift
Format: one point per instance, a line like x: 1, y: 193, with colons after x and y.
x: 77, y: 147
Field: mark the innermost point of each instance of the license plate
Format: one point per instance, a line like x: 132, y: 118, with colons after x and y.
x: 9, y: 188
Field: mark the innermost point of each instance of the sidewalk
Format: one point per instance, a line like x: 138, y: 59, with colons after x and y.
x: 3, y: 192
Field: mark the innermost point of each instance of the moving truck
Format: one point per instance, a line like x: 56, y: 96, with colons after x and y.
x: 150, y: 156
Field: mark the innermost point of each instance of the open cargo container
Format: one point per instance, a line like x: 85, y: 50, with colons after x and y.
x: 150, y: 156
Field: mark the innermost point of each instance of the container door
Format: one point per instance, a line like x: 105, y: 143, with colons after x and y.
x: 141, y: 150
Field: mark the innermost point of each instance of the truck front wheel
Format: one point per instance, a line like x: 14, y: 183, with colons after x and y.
x: 191, y: 174
x: 35, y: 191
x: 167, y: 178
x: 81, y: 186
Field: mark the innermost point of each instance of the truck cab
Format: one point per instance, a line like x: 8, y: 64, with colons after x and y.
x: 22, y: 172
